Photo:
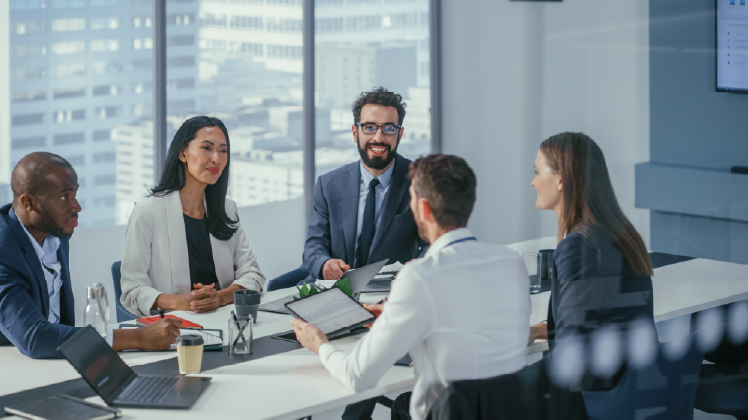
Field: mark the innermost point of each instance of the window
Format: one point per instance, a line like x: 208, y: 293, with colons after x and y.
x: 247, y: 22
x: 105, y: 112
x: 76, y: 160
x: 142, y: 43
x: 103, y: 180
x: 185, y: 61
x: 72, y: 83
x: 27, y: 142
x: 105, y: 45
x: 63, y: 48
x: 27, y: 119
x: 69, y: 93
x: 350, y: 52
x: 104, y: 23
x: 69, y: 70
x: 28, y: 27
x: 67, y: 4
x: 39, y: 95
x: 181, y: 40
x: 68, y: 115
x: 105, y: 90
x: 32, y: 50
x: 67, y: 25
x: 25, y: 73
x: 182, y: 19
x: 69, y: 138
x: 284, y: 25
x: 102, y: 135
x: 142, y: 22
x: 106, y: 67
x: 104, y: 157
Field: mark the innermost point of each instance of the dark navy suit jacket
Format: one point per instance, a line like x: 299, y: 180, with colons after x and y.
x: 332, y: 227
x: 24, y: 302
x: 593, y: 286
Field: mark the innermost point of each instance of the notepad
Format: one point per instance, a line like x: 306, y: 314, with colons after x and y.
x: 151, y: 319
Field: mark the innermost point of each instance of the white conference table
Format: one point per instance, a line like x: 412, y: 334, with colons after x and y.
x: 295, y: 384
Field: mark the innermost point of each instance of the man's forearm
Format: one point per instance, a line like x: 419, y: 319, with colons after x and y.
x: 126, y: 339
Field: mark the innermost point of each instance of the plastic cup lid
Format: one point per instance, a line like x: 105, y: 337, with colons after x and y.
x: 189, y: 340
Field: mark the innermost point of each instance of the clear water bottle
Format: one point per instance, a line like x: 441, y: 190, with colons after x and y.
x: 95, y: 314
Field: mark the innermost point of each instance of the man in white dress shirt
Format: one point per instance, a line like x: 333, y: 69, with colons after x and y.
x: 462, y: 311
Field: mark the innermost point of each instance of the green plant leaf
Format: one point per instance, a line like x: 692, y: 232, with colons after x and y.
x: 343, y: 285
x: 295, y: 298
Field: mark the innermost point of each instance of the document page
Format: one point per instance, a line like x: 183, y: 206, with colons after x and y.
x: 330, y: 311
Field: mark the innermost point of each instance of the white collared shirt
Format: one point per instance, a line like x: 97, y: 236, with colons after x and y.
x: 47, y: 255
x: 462, y: 312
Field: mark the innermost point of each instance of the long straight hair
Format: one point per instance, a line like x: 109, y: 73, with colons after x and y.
x: 220, y: 225
x: 589, y: 198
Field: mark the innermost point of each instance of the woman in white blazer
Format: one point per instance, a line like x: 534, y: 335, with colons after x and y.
x: 184, y: 246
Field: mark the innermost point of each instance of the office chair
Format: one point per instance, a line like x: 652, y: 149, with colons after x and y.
x: 290, y: 279
x: 665, y: 389
x: 122, y: 313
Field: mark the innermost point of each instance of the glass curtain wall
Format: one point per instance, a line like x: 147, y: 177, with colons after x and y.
x: 241, y: 61
x: 78, y: 75
x: 360, y: 44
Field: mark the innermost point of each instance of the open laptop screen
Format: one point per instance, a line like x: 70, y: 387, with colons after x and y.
x: 98, y: 363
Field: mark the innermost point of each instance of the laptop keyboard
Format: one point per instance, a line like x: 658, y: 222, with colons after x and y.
x: 147, y: 389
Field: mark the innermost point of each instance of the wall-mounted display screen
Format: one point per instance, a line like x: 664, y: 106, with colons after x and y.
x: 732, y: 45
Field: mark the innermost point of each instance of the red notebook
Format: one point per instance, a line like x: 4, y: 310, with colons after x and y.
x: 185, y: 324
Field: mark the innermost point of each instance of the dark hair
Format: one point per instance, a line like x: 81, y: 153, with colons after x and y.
x: 448, y: 184
x: 589, y: 198
x: 379, y: 96
x: 28, y: 176
x: 219, y: 223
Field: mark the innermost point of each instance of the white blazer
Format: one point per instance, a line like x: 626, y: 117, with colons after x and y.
x: 155, y: 258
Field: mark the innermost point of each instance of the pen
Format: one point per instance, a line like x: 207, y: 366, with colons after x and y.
x: 382, y: 301
x: 161, y: 312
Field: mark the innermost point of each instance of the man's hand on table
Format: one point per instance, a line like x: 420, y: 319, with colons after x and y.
x: 332, y: 269
x: 158, y: 336
x: 308, y: 335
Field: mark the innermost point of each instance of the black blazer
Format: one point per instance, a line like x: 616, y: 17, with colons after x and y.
x: 592, y: 285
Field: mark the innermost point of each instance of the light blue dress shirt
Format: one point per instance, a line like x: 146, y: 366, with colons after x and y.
x: 381, y: 192
x: 47, y: 254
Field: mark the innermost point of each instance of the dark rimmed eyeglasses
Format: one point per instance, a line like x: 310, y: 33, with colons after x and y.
x: 388, y: 129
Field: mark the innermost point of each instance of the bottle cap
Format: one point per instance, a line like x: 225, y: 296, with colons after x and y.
x: 90, y: 293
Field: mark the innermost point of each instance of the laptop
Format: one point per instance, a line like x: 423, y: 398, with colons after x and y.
x: 357, y: 278
x: 117, y: 384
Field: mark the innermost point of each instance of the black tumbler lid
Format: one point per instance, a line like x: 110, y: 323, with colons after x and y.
x: 189, y: 340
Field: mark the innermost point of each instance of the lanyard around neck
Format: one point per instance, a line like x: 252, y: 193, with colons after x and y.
x: 471, y: 238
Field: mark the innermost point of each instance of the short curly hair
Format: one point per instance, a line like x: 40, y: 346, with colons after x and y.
x: 380, y: 96
x: 448, y: 183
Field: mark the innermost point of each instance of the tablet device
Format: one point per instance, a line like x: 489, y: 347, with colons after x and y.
x: 332, y: 311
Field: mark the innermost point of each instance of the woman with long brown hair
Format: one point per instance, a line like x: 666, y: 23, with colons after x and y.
x: 601, y: 268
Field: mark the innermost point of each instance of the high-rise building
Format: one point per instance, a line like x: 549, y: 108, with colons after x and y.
x: 80, y: 68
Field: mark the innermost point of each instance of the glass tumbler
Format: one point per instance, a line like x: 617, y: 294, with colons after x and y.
x: 240, y: 335
x: 533, y: 264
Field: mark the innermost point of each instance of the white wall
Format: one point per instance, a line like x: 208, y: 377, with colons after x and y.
x: 515, y: 73
x: 276, y: 232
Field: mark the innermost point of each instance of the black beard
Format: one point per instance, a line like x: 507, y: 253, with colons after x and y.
x: 47, y: 225
x: 377, y: 163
